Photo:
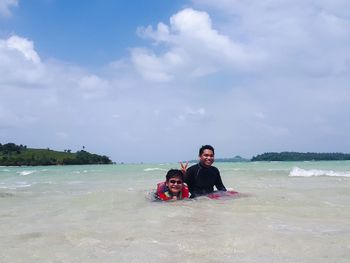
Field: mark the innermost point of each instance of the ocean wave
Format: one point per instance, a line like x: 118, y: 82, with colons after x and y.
x: 296, y: 171
x: 75, y: 182
x: 80, y: 172
x: 277, y: 169
x: 15, y: 185
x: 154, y: 169
x: 22, y: 185
x: 26, y: 172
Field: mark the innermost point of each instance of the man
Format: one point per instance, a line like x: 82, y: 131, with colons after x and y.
x: 202, y: 177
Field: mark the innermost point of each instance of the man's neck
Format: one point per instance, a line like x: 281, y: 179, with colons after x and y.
x: 203, y: 165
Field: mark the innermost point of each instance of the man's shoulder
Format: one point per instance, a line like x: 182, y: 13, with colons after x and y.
x: 214, y: 169
x: 193, y: 167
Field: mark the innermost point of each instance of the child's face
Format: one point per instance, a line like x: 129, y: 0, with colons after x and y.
x: 175, y: 185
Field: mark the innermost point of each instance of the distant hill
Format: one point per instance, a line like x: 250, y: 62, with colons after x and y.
x: 237, y: 158
x: 17, y: 155
x: 299, y: 156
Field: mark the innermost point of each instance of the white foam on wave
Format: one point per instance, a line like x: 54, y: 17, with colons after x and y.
x: 79, y: 172
x: 154, y: 169
x: 26, y: 172
x: 15, y: 185
x: 23, y: 184
x: 296, y: 171
x: 75, y: 182
x: 277, y: 169
x: 3, y: 186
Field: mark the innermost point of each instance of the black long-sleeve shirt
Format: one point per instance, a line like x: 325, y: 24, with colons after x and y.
x: 201, y: 180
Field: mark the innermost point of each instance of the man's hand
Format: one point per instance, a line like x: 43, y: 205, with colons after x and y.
x: 184, y: 167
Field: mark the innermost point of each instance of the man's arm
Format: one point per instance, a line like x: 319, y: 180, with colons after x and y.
x: 189, y: 179
x: 219, y: 184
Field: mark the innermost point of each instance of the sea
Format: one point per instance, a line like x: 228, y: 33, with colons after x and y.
x: 287, y: 212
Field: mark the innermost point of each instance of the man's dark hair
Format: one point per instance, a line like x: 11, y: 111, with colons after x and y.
x: 174, y: 173
x: 206, y: 147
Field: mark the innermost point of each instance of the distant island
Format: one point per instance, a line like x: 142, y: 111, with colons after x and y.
x: 18, y: 155
x: 287, y: 156
x: 235, y: 159
x: 299, y: 156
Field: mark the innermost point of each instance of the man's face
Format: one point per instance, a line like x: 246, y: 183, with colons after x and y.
x: 207, y: 157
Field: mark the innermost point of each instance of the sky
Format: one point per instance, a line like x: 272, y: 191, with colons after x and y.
x: 152, y: 81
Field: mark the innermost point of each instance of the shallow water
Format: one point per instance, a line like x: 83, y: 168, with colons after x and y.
x: 295, y: 212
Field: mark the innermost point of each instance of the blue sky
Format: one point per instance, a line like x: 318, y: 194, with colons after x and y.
x: 91, y: 32
x: 152, y: 81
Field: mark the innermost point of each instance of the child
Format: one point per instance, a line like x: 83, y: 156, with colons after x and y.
x: 173, y: 188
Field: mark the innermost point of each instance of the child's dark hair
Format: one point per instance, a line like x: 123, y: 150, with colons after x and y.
x: 174, y: 173
x: 206, y: 147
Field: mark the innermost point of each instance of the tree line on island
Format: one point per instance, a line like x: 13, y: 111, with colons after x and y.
x: 288, y: 156
x: 299, y: 156
x: 17, y: 155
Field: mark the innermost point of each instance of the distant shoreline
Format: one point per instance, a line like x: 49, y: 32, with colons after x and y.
x: 20, y: 155
x: 300, y: 156
x: 286, y: 157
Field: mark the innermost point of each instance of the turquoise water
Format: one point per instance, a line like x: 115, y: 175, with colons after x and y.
x: 293, y: 212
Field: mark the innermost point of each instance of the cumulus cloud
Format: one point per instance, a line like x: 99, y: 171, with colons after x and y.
x: 19, y: 62
x: 298, y: 37
x: 152, y: 67
x: 193, y: 47
x: 23, y: 46
x: 266, y: 76
x: 93, y: 86
x: 61, y: 105
x: 35, y: 92
x: 5, y: 6
x: 21, y: 66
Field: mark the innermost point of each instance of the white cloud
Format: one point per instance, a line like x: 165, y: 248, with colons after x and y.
x: 193, y: 47
x: 93, y: 86
x: 19, y: 62
x: 273, y: 76
x: 10, y: 119
x: 21, y: 66
x: 25, y: 47
x: 191, y: 114
x: 298, y: 37
x: 150, y: 66
x: 5, y: 6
